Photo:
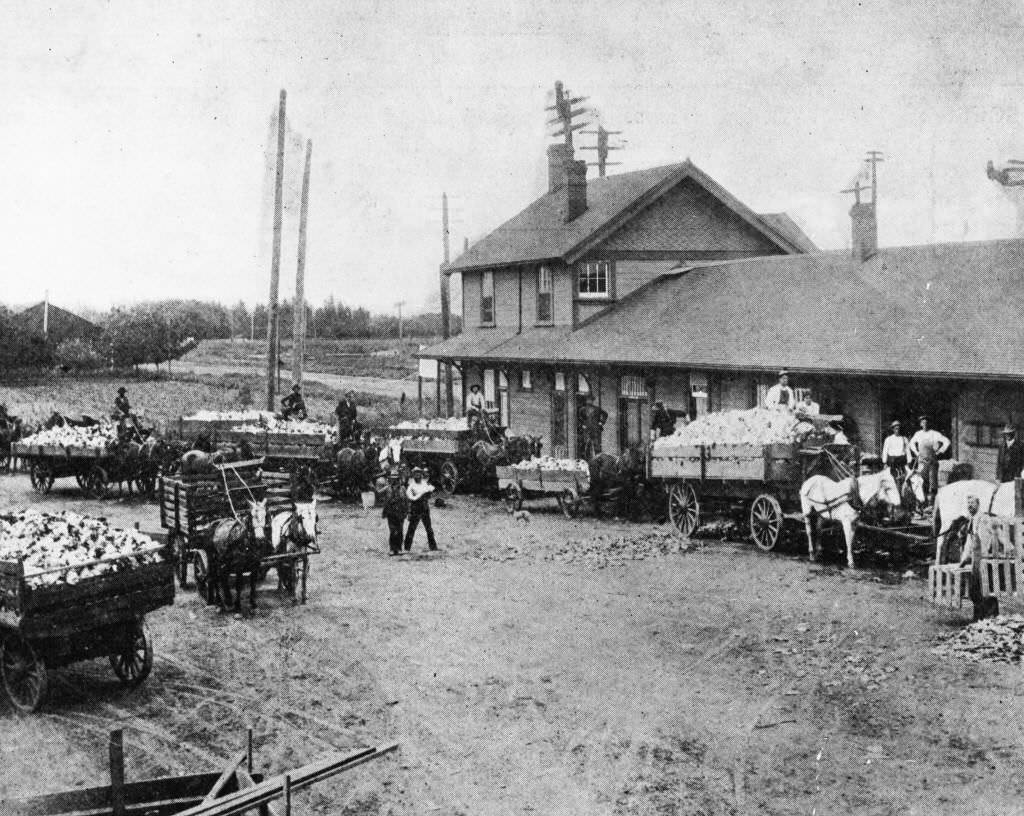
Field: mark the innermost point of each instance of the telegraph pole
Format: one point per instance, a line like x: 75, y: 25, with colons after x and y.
x: 449, y: 396
x: 873, y: 158
x: 400, y: 304
x: 275, y: 261
x: 299, y: 309
x: 602, y: 148
x: 564, y: 113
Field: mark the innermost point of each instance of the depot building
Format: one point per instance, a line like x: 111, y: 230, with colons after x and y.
x: 660, y: 285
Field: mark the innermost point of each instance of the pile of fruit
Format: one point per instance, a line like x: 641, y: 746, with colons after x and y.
x: 288, y: 426
x: 233, y: 416
x: 65, y: 548
x: 549, y: 463
x: 440, y: 424
x: 757, y: 426
x: 71, y: 436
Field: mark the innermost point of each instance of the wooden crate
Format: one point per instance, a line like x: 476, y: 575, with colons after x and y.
x: 57, y: 452
x: 949, y: 584
x: 677, y: 462
x: 734, y: 462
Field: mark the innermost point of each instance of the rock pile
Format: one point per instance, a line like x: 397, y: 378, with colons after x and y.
x: 607, y: 549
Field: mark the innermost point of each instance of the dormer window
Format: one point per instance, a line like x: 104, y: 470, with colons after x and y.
x: 487, y: 299
x: 593, y: 280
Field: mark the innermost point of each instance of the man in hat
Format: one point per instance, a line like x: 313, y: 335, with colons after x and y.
x: 926, y: 446
x: 781, y: 397
x: 1010, y: 460
x: 591, y: 423
x: 293, y: 405
x: 418, y: 493
x: 895, y: 450
x: 474, y: 406
x: 348, y: 423
x: 122, y: 409
x: 396, y: 507
x: 662, y: 423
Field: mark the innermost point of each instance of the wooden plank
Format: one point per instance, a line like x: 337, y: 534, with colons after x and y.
x: 117, y: 772
x: 226, y: 776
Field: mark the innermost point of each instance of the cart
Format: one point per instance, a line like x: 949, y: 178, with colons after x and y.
x: 190, y: 506
x: 566, y: 486
x: 446, y: 454
x: 233, y: 789
x: 95, y: 469
x: 47, y: 627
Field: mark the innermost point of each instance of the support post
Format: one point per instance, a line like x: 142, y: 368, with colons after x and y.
x: 117, y: 772
x: 275, y: 260
x: 299, y: 309
x: 445, y: 314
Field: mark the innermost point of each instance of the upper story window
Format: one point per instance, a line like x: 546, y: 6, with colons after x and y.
x: 487, y: 299
x: 593, y: 279
x: 544, y: 294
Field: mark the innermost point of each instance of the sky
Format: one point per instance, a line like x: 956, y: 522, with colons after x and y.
x: 138, y: 143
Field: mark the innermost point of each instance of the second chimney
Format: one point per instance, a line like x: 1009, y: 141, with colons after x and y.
x: 559, y: 157
x: 865, y: 231
x: 576, y: 190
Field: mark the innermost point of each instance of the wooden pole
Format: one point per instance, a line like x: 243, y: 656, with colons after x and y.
x: 275, y: 261
x: 117, y: 772
x: 299, y: 310
x: 449, y: 397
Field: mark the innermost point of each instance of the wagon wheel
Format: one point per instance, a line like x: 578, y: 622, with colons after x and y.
x: 684, y: 508
x: 41, y: 476
x: 513, y: 498
x: 23, y: 673
x: 448, y: 478
x: 569, y: 502
x: 201, y: 570
x: 179, y: 554
x: 97, y: 483
x: 766, y: 522
x: 134, y: 662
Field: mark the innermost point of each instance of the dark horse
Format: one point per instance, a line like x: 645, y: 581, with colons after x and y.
x: 356, y: 467
x: 485, y: 456
x: 619, y: 479
x: 233, y: 549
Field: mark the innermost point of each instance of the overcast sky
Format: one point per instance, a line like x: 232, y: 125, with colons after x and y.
x: 135, y: 135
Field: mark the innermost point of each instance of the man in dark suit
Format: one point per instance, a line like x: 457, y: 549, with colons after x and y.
x: 1010, y: 460
x: 348, y: 425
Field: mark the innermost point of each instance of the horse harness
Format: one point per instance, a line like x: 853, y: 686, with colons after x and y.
x: 851, y: 497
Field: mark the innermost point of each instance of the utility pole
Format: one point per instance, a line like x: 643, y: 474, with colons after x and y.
x: 252, y: 324
x: 564, y: 113
x: 873, y: 158
x: 602, y: 148
x: 449, y: 396
x: 400, y: 304
x: 46, y: 313
x: 275, y: 261
x: 299, y: 309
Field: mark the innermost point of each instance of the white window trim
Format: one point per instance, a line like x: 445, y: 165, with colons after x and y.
x: 483, y: 296
x: 525, y: 380
x: 559, y: 381
x: 605, y: 295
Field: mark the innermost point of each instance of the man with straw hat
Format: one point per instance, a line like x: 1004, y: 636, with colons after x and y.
x: 895, y: 450
x: 1010, y: 459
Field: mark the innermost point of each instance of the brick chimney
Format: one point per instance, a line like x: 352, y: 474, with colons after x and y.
x: 559, y: 155
x: 576, y: 198
x: 865, y: 231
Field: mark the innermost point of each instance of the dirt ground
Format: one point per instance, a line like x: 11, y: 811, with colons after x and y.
x: 551, y: 666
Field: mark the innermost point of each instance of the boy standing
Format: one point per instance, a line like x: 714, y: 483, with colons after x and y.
x: 418, y: 493
x: 395, y: 508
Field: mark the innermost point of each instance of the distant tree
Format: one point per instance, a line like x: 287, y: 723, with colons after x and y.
x: 240, y: 325
x: 79, y: 354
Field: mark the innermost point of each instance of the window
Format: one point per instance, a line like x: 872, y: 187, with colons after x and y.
x: 503, y: 403
x: 489, y: 388
x: 544, y: 295
x: 559, y: 381
x: 594, y: 279
x: 633, y: 386
x: 487, y: 299
x: 982, y: 435
x: 525, y: 380
x: 582, y: 384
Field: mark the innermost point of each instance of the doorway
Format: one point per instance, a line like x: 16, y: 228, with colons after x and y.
x: 559, y: 425
x: 907, y: 401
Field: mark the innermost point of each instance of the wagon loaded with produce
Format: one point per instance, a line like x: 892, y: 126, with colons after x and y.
x: 746, y: 462
x: 565, y: 480
x: 74, y: 588
x: 442, y: 446
x: 192, y: 506
x: 92, y: 455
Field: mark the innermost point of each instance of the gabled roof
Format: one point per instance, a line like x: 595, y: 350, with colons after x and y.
x: 540, y: 232
x: 938, y: 310
x: 60, y: 323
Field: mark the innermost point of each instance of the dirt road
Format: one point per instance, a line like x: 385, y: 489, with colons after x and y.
x: 554, y: 667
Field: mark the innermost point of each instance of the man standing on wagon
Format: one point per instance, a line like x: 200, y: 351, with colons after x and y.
x: 293, y: 405
x: 781, y: 397
x: 348, y: 425
x: 926, y: 446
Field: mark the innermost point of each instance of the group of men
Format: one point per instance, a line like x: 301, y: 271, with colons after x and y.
x: 412, y: 501
x: 921, y: 452
x: 293, y: 406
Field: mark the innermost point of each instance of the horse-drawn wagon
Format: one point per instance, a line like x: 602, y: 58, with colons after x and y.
x: 442, y: 446
x: 276, y: 531
x: 566, y: 481
x: 72, y: 589
x: 94, y: 455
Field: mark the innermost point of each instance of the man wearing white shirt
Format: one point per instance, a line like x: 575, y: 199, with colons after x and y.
x: 781, y: 397
x: 807, y: 406
x: 895, y: 451
x: 926, y: 446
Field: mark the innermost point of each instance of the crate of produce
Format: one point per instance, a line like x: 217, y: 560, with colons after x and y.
x: 677, y: 462
x: 429, y: 444
x: 734, y: 462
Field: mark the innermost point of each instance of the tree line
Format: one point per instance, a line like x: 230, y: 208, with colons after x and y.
x: 158, y: 331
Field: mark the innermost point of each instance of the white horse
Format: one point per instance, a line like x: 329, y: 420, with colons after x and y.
x: 822, y: 498
x: 951, y: 505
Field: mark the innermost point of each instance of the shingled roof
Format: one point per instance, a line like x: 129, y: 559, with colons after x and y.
x: 540, y: 232
x: 937, y: 310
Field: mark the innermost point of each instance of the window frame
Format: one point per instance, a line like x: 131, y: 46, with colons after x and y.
x: 525, y: 380
x: 591, y: 271
x: 544, y: 273
x: 487, y: 300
